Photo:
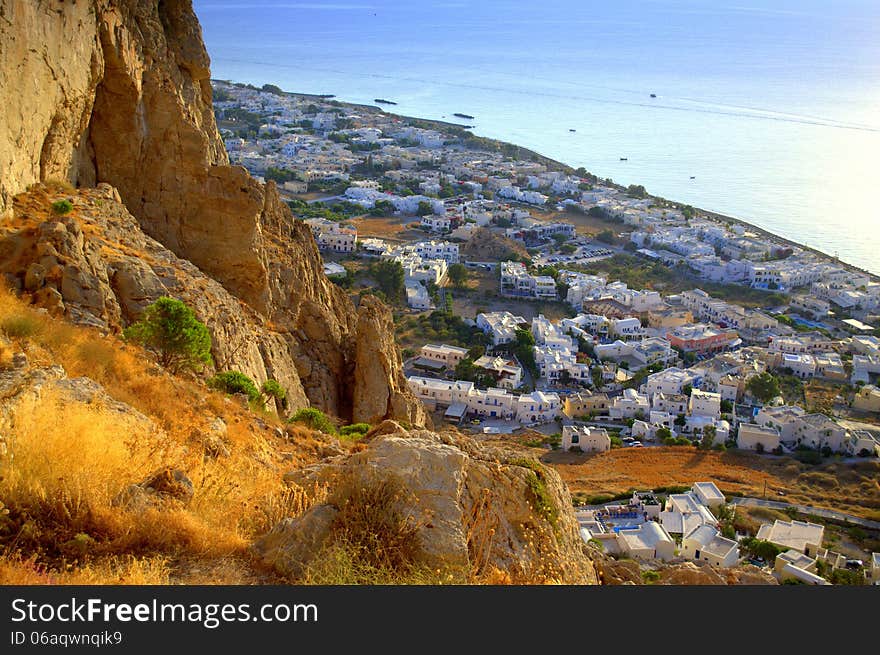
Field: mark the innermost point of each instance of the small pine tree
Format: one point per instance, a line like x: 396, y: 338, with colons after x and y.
x: 271, y: 389
x: 171, y: 329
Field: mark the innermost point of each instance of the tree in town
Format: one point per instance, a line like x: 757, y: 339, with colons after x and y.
x: 708, y: 439
x: 171, y: 330
x: 424, y: 208
x: 764, y: 387
x: 458, y: 275
x: 390, y: 279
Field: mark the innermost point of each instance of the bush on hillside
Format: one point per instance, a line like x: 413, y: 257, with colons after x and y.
x: 354, y: 431
x: 233, y: 382
x: 171, y: 329
x: 315, y: 419
x: 62, y: 207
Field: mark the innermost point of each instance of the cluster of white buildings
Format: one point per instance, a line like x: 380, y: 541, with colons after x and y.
x: 330, y: 235
x: 556, y: 353
x: 517, y: 282
x: 791, y: 426
x: 461, y: 398
x: 591, y: 288
x: 684, y: 529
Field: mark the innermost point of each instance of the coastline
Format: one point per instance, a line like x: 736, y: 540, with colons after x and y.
x: 522, y: 152
x: 536, y: 156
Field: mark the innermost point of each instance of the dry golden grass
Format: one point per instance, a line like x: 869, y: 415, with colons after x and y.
x: 70, y: 460
x: 846, y: 487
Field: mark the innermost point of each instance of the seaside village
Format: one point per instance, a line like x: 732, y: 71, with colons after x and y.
x: 529, y: 296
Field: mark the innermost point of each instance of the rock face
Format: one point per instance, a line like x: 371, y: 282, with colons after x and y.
x: 475, y: 508
x: 118, y: 92
x: 380, y: 388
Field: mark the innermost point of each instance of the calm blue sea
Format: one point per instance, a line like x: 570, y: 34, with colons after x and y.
x: 773, y: 105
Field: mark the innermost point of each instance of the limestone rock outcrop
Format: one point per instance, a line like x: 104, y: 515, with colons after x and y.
x: 380, y: 388
x: 118, y: 92
x: 474, y: 508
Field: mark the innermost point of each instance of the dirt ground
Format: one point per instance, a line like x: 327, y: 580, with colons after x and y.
x: 850, y: 488
x: 392, y: 228
x: 584, y: 224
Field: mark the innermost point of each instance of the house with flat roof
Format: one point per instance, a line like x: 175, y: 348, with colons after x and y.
x: 647, y: 541
x: 450, y: 356
x: 584, y: 403
x: 501, y: 326
x: 872, y: 571
x: 705, y: 403
x: 757, y: 437
x: 705, y: 543
x: 708, y: 494
x: 506, y: 372
x: 801, y: 536
x: 585, y: 439
x: 794, y: 565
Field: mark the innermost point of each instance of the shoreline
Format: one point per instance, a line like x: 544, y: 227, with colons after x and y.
x: 544, y: 159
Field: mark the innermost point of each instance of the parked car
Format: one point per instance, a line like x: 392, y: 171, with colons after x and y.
x: 854, y: 563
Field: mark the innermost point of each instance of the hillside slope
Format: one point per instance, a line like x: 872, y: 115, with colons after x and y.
x: 130, y: 105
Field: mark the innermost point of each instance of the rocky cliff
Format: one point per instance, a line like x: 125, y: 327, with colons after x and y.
x: 118, y: 92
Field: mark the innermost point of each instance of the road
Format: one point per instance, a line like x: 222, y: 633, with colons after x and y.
x: 815, y: 511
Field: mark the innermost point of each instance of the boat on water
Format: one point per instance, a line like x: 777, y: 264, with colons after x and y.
x: 693, y: 177
x: 572, y: 130
x: 653, y: 95
x: 463, y: 115
x: 623, y: 159
x: 383, y: 101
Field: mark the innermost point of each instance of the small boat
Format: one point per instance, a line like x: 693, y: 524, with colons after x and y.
x: 623, y: 159
x: 693, y: 177
x: 382, y: 101
x: 653, y: 95
x: 463, y: 115
x: 572, y: 130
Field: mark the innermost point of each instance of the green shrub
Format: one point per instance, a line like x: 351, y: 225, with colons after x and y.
x: 171, y: 329
x: 650, y: 577
x: 354, y: 431
x: 62, y: 207
x: 315, y: 419
x: 235, y: 382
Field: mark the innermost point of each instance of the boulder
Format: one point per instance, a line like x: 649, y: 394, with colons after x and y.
x: 472, y: 508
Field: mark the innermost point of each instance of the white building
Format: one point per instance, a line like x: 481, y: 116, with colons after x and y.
x: 705, y: 403
x: 538, y: 407
x: 585, y: 439
x: 501, y: 326
x: 705, y: 544
x: 648, y: 541
x: 445, y: 250
x: 507, y: 374
x: 517, y: 282
x: 757, y: 437
x: 708, y: 494
x: 629, y: 405
x: 331, y: 236
x: 801, y: 536
x: 451, y: 356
